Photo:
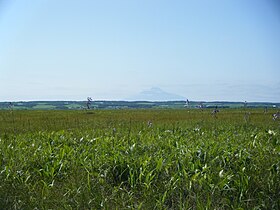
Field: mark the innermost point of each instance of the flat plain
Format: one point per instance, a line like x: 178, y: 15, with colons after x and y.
x: 139, y: 159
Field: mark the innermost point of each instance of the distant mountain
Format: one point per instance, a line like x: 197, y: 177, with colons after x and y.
x: 155, y: 94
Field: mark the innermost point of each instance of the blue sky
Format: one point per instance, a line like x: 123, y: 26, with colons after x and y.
x: 202, y: 50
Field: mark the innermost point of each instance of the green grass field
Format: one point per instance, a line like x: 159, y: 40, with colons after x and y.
x: 139, y: 159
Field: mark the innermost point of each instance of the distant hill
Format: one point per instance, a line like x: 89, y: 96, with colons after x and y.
x: 156, y: 94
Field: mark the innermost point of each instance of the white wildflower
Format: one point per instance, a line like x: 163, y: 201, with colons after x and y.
x: 221, y: 173
x: 271, y: 132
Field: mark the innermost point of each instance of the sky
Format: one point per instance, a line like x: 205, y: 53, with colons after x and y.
x: 218, y: 50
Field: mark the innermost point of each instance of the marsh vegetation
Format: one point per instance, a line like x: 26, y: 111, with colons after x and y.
x: 139, y: 159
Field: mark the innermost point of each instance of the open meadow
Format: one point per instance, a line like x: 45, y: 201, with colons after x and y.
x: 139, y: 159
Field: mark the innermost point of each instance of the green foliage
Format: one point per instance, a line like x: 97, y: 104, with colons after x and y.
x: 139, y: 159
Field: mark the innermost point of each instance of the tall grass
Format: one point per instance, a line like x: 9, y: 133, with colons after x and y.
x: 117, y: 160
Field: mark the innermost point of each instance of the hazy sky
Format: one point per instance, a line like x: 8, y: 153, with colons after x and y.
x: 202, y: 50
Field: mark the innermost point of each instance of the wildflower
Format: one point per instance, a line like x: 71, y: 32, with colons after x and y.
x: 204, y: 167
x: 197, y: 129
x: 132, y: 147
x: 276, y: 116
x: 92, y: 140
x: 221, y: 173
x: 271, y: 132
x: 89, y: 100
x: 215, y: 111
x: 150, y: 124
x: 187, y: 103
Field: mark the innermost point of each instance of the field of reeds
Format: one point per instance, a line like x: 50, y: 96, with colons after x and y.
x: 139, y: 159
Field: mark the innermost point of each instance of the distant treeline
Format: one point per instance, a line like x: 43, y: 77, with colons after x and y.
x: 77, y: 105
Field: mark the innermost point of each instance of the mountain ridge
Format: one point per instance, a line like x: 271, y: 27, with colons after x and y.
x: 155, y: 94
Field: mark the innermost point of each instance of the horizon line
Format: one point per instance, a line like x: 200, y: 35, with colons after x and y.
x: 119, y: 100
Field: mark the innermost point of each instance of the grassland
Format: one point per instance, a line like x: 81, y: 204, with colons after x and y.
x: 139, y: 159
